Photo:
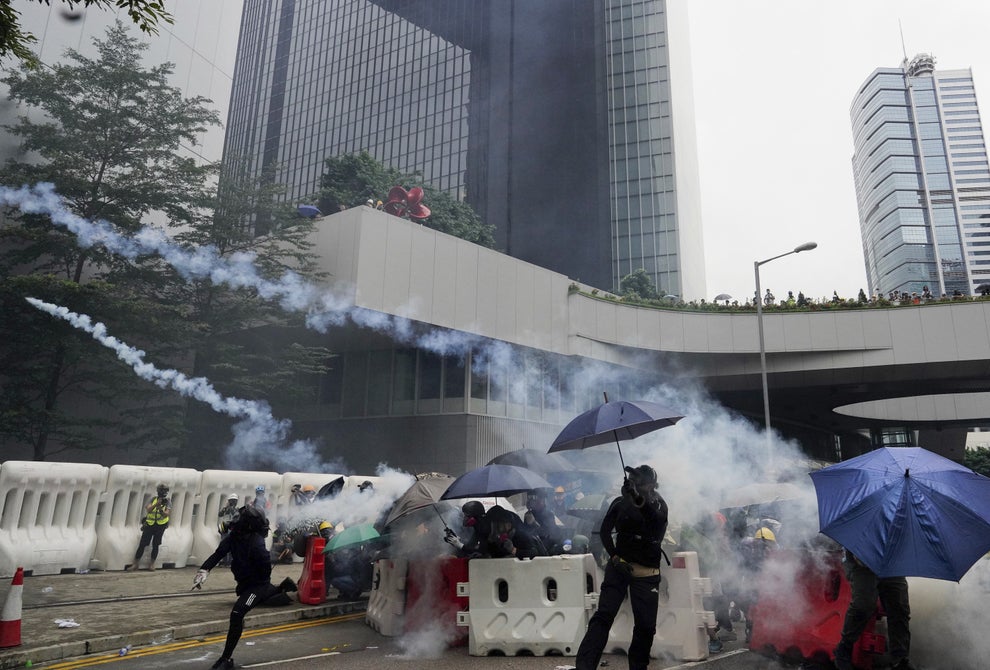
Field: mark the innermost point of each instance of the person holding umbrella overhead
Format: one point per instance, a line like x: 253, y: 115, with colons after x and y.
x: 639, y: 519
x: 866, y: 588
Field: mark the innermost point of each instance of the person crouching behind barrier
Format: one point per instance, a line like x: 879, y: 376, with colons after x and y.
x: 508, y: 537
x: 639, y: 519
x: 251, y: 565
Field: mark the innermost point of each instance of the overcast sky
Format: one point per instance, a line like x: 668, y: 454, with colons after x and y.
x: 773, y: 84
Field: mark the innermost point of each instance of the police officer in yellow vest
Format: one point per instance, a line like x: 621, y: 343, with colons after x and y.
x: 153, y: 527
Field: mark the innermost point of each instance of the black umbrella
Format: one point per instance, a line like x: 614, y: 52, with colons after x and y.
x: 331, y: 489
x: 495, y: 480
x: 534, y: 460
x: 619, y: 420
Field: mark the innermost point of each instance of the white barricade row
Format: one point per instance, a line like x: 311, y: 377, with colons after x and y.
x: 214, y: 487
x: 118, y: 525
x: 47, y: 515
x: 681, y: 617
x: 386, y: 611
x: 536, y: 606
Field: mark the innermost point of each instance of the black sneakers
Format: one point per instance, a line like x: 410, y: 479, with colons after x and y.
x: 223, y: 664
x: 287, y: 585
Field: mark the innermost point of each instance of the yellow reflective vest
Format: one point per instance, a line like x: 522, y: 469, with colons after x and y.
x: 157, y: 513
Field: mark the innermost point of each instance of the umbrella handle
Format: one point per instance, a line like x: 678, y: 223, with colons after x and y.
x: 622, y: 461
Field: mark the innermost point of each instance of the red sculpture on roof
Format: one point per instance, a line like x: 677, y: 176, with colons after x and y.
x: 406, y: 203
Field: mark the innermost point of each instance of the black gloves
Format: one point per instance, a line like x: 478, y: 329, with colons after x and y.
x: 622, y: 566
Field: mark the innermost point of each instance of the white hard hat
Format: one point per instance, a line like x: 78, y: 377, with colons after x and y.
x: 232, y: 496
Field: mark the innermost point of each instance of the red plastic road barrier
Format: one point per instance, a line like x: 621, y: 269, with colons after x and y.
x: 431, y: 598
x: 10, y: 618
x: 312, y: 585
x: 802, y: 603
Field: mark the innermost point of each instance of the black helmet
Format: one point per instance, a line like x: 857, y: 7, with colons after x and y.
x: 162, y: 490
x: 250, y: 519
x: 643, y: 477
x: 473, y: 508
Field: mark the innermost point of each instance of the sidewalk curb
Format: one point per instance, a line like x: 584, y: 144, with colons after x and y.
x: 19, y: 657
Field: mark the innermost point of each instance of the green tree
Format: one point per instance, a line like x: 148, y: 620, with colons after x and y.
x: 109, y: 141
x: 639, y: 284
x: 353, y: 179
x: 978, y: 460
x: 16, y: 43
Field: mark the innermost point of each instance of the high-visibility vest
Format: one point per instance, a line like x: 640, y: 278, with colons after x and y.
x: 158, y: 516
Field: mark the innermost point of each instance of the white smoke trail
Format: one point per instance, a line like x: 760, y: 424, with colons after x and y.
x: 258, y: 438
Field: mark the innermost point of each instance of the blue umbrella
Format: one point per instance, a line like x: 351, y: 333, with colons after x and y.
x: 495, y: 480
x: 904, y: 511
x: 618, y: 420
x: 309, y: 211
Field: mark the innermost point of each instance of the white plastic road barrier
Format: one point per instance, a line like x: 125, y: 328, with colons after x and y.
x: 214, y: 487
x: 681, y: 617
x: 537, y: 606
x: 387, y: 602
x: 47, y: 515
x: 118, y: 525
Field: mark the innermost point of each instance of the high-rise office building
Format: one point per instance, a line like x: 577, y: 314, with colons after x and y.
x: 922, y: 179
x: 198, y: 44
x: 566, y: 124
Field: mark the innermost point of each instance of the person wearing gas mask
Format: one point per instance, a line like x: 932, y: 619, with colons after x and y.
x: 638, y: 518
x: 251, y: 565
x: 469, y: 543
x: 153, y: 526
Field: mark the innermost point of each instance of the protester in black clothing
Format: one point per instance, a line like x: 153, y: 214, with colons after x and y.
x: 866, y: 588
x: 468, y: 542
x: 541, y: 522
x: 251, y: 566
x: 639, y: 519
x: 508, y: 537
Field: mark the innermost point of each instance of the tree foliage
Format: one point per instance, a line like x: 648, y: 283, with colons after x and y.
x: 353, y: 179
x: 639, y: 284
x: 112, y: 141
x: 15, y: 43
x: 978, y: 460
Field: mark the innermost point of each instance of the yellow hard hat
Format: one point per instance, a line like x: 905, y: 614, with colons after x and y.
x: 765, y: 534
x: 308, y: 487
x: 559, y: 489
x: 326, y: 525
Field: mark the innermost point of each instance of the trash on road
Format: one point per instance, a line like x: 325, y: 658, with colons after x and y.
x: 66, y: 623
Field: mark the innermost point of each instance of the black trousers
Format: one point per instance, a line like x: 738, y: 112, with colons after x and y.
x: 644, y: 597
x: 246, y: 601
x: 866, y: 588
x: 149, y: 535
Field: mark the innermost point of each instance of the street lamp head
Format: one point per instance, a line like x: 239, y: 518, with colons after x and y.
x: 807, y: 246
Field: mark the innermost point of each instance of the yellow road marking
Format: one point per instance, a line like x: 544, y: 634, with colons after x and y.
x: 90, y: 661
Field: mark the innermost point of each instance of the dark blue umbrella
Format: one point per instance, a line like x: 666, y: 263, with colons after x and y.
x: 619, y: 420
x: 904, y: 511
x: 495, y: 480
x: 309, y: 211
x: 534, y: 460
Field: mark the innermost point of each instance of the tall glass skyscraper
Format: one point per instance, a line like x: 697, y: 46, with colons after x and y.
x: 555, y: 119
x: 922, y: 179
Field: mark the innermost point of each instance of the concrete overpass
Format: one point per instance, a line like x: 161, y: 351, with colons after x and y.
x: 818, y: 361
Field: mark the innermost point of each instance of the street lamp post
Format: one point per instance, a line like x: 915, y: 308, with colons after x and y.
x: 807, y: 246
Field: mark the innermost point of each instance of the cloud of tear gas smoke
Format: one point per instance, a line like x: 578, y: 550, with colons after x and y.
x: 259, y: 438
x: 290, y: 291
x: 352, y: 506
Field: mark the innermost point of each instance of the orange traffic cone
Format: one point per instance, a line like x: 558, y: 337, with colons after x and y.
x: 10, y: 618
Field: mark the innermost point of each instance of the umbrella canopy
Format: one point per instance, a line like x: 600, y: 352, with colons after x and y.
x: 534, y: 460
x: 495, y: 480
x: 350, y: 536
x: 761, y: 492
x: 619, y: 420
x: 591, y: 507
x: 723, y: 296
x: 425, y: 491
x: 904, y: 511
x: 330, y: 489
